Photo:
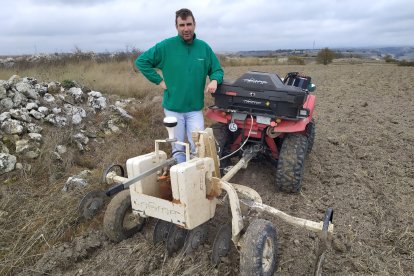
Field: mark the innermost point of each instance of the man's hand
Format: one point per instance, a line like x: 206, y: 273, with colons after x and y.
x: 163, y: 85
x: 212, y: 86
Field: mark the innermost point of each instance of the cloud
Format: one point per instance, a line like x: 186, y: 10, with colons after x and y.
x: 58, y: 25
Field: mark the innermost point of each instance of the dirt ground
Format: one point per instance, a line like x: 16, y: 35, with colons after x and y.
x: 361, y: 166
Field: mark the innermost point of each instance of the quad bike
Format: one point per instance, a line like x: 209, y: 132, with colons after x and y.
x: 184, y: 197
x: 272, y: 114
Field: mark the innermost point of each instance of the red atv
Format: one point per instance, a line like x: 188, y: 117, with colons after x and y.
x: 270, y: 116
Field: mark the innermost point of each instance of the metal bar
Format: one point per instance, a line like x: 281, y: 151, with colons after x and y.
x: 119, y: 187
x: 304, y: 223
x: 113, y: 178
x: 241, y: 164
x: 237, y: 219
x: 187, y: 149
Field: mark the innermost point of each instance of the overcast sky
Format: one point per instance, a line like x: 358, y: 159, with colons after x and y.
x: 48, y: 26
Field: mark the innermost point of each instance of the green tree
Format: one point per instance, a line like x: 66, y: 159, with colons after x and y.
x: 325, y: 56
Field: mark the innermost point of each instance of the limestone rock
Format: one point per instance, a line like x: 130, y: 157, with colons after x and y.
x: 6, y: 103
x: 81, y: 140
x: 53, y: 88
x: 31, y: 105
x: 36, y: 114
x: 77, y: 181
x: 12, y: 127
x: 122, y: 112
x: 48, y: 98
x: 4, y: 116
x: 76, y: 94
x: 44, y: 110
x: 27, y: 148
x: 20, y: 114
x: 56, y: 120
x: 33, y: 128
x: 96, y: 100
x: 7, y: 162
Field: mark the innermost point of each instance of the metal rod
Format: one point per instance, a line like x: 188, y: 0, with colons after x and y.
x: 119, y: 187
x: 307, y: 224
x: 236, y: 215
x: 241, y: 164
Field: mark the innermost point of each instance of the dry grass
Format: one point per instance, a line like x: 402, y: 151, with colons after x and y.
x: 263, y: 61
x: 34, y: 212
x: 118, y: 78
x: 36, y: 215
x: 34, y: 224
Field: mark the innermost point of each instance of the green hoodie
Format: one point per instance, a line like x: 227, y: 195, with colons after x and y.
x: 184, y: 68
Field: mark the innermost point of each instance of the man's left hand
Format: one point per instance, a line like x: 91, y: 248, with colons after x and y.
x: 212, y: 86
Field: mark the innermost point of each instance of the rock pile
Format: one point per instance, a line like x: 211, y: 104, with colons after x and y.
x: 56, y: 58
x: 27, y: 107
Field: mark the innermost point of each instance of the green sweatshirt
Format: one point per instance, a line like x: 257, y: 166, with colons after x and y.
x: 184, y: 69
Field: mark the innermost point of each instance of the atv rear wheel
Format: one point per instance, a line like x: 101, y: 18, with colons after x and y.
x: 291, y: 163
x: 258, y: 254
x: 310, y: 133
x: 119, y: 221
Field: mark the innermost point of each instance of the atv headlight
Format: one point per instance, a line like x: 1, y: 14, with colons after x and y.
x: 311, y: 87
x: 304, y: 112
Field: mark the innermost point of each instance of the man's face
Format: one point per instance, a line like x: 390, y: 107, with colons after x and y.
x: 185, y: 28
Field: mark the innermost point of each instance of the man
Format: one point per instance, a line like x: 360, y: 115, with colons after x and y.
x: 185, y: 62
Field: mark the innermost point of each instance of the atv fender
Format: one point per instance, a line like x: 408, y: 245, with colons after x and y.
x: 286, y: 126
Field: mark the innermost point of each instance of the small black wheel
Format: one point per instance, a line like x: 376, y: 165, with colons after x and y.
x: 92, y: 203
x: 195, y: 238
x: 291, y: 163
x: 161, y: 230
x: 221, y: 244
x: 258, y: 254
x: 310, y: 131
x: 118, y: 169
x: 176, y: 238
x: 119, y: 221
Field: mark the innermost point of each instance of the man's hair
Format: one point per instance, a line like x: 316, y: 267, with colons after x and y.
x: 183, y: 14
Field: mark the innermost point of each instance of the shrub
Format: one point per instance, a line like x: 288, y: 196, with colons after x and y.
x: 325, y: 56
x: 296, y: 60
x: 67, y: 84
x: 405, y: 63
x: 390, y: 59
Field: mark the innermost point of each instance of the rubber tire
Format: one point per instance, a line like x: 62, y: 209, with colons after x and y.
x: 310, y: 133
x: 291, y: 163
x: 254, y: 242
x: 222, y: 136
x: 115, y: 213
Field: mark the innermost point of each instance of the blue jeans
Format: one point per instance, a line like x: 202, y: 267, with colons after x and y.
x: 187, y: 122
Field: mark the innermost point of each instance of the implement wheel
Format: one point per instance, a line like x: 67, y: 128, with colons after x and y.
x: 116, y: 168
x: 258, y: 254
x: 119, y: 221
x: 291, y: 163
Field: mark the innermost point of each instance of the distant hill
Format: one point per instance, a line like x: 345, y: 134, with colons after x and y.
x: 399, y: 53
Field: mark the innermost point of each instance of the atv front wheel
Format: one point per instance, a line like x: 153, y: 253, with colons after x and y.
x: 310, y: 133
x: 119, y: 221
x: 291, y: 163
x: 258, y: 254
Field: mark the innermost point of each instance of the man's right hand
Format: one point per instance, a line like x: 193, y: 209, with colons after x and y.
x: 162, y: 84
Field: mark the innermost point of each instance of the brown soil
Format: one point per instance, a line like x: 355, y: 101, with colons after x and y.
x: 361, y: 165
